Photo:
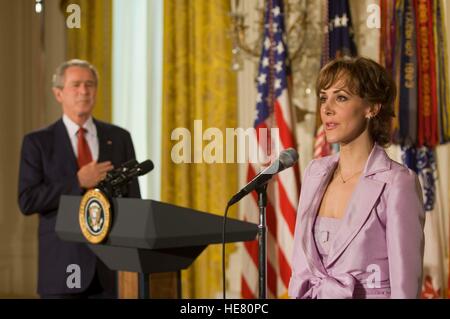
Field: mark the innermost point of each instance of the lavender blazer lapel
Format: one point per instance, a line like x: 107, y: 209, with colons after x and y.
x: 366, y: 193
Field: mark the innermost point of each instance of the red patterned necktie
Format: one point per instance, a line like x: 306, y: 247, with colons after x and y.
x: 84, y: 153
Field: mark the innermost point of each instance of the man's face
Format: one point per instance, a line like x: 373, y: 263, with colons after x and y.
x: 77, y: 96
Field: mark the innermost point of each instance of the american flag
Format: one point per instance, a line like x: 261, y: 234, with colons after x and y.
x: 273, y: 111
x: 337, y: 43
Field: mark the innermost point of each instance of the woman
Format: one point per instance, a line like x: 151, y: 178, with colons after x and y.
x: 359, y: 231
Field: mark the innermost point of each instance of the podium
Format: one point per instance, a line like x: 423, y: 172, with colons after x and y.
x: 148, y: 236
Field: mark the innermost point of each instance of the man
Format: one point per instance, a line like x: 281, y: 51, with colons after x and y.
x: 68, y: 157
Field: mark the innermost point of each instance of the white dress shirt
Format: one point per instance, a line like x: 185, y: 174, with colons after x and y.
x: 91, y: 135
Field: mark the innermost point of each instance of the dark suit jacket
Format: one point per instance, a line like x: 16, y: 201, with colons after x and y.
x: 48, y: 169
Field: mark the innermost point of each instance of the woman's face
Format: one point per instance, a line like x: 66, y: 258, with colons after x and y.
x: 343, y: 114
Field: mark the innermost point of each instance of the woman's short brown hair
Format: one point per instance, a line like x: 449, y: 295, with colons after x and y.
x: 371, y: 82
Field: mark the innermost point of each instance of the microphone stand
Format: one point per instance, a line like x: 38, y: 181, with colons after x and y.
x: 262, y: 204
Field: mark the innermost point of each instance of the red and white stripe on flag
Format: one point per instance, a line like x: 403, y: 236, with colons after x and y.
x: 273, y: 111
x: 321, y: 146
x: 283, y: 193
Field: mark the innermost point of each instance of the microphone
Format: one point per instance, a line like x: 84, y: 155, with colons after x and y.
x: 286, y: 159
x: 121, y: 169
x: 125, y: 176
x: 105, y: 184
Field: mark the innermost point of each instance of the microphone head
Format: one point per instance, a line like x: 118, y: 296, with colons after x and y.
x: 121, y: 169
x: 128, y: 165
x: 145, y: 167
x: 288, y: 157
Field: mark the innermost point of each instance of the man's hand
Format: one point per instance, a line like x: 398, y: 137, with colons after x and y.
x: 93, y: 173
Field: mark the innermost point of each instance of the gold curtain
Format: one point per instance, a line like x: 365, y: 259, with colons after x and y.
x: 93, y: 42
x: 198, y: 85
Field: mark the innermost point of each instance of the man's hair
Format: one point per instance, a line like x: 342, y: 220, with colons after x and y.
x: 370, y: 81
x: 58, y: 76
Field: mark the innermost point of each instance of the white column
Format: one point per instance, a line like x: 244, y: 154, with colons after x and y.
x: 137, y: 81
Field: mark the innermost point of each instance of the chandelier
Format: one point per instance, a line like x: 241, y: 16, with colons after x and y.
x: 303, y: 37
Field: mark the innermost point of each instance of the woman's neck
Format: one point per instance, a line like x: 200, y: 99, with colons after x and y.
x: 353, y: 156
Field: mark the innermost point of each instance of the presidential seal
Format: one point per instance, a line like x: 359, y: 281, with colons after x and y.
x: 95, y: 216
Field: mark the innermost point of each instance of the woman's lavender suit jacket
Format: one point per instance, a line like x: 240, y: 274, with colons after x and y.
x: 378, y: 249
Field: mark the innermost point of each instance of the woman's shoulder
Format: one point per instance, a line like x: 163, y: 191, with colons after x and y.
x: 400, y: 174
